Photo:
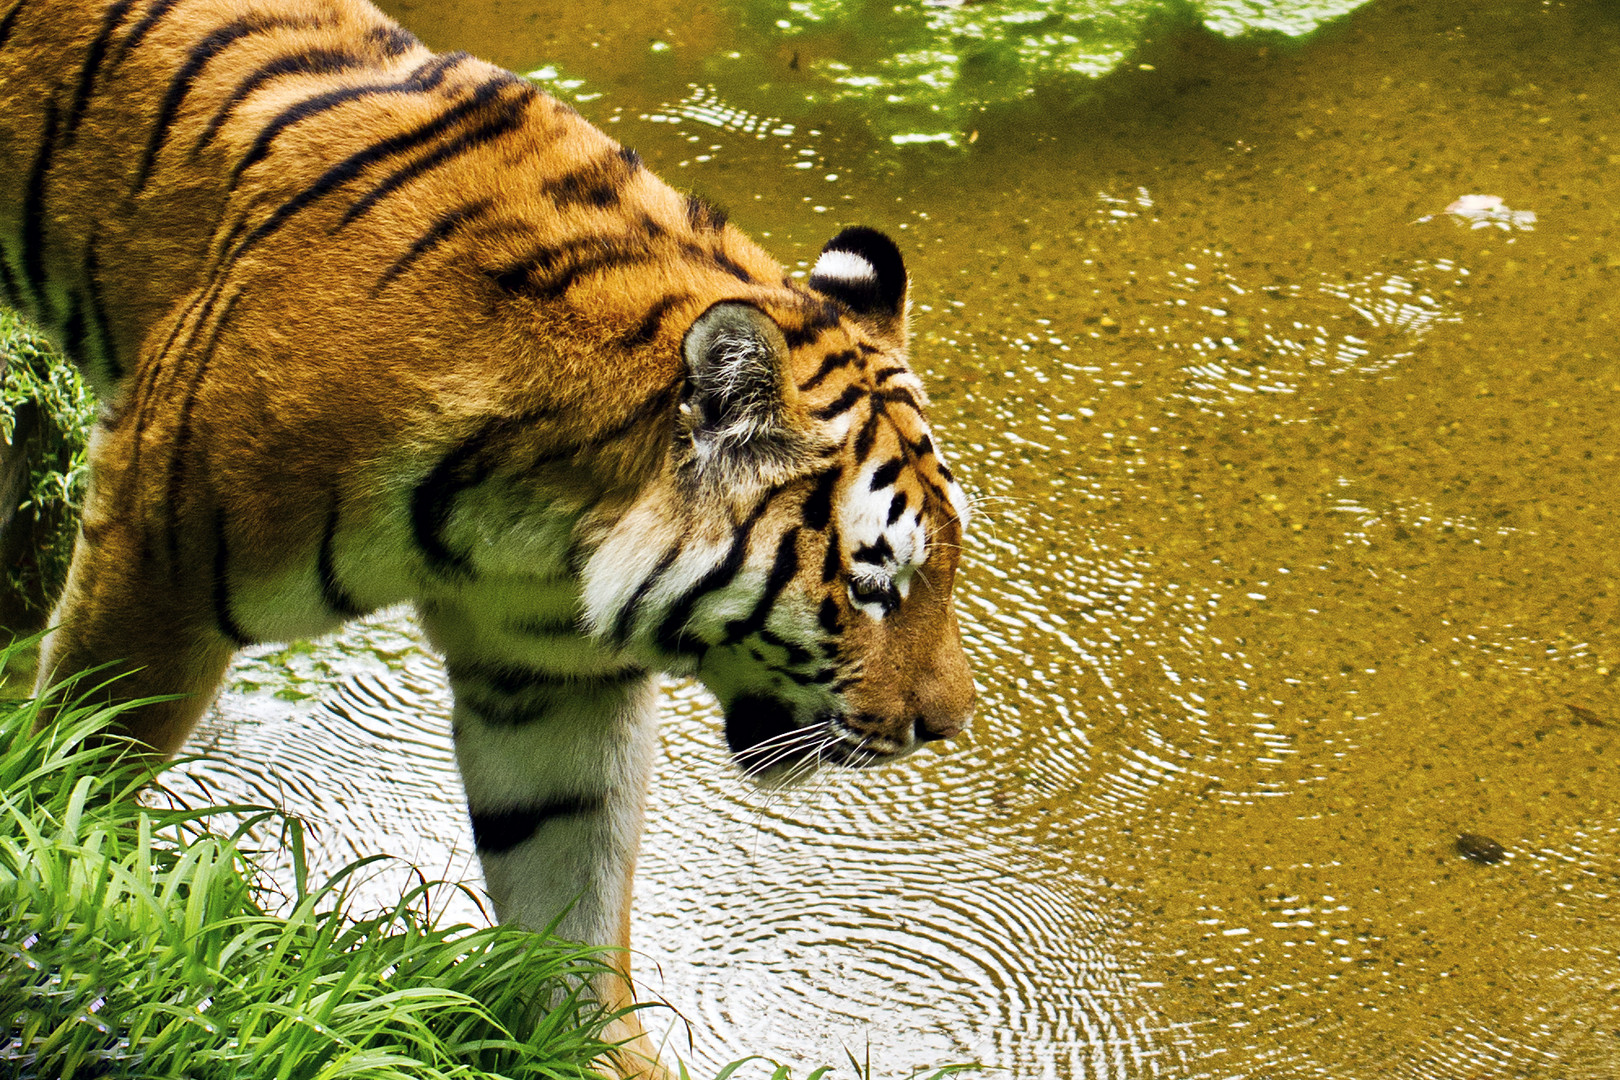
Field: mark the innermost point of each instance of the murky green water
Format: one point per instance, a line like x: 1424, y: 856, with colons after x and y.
x: 1298, y: 559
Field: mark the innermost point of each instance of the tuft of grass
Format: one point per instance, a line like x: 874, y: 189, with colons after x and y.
x: 133, y: 944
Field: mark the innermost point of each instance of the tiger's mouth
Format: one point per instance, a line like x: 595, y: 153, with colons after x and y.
x: 774, y: 748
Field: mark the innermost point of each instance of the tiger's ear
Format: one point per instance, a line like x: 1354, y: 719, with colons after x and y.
x: 740, y: 404
x: 862, y: 269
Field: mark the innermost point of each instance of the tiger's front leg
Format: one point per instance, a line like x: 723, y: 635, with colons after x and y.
x: 147, y: 602
x: 555, y: 753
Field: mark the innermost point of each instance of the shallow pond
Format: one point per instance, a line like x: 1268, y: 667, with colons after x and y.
x: 1292, y: 597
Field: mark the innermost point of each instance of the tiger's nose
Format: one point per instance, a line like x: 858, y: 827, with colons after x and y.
x: 935, y: 728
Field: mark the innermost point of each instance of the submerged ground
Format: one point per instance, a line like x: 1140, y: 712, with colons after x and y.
x: 1293, y: 595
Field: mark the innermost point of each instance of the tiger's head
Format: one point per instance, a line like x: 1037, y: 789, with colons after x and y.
x: 799, y: 552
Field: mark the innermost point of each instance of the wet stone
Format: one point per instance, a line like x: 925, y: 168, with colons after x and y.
x: 1480, y: 849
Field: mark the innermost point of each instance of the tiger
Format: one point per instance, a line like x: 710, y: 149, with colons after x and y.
x: 371, y: 325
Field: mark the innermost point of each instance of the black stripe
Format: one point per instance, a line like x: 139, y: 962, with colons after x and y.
x: 548, y: 257
x: 598, y: 183
x: 820, y: 677
x: 796, y: 653
x: 200, y: 56
x: 440, y: 231
x: 818, y: 507
x: 8, y: 281
x: 876, y: 553
x: 393, y: 40
x: 923, y: 447
x: 536, y: 626
x: 783, y: 569
x: 434, y: 499
x: 154, y: 15
x: 9, y: 23
x: 731, y: 266
x: 897, y: 506
x: 465, y: 466
x: 33, y: 215
x: 650, y: 323
x: 599, y: 255
x: 353, y: 165
x: 830, y: 364
x: 703, y: 215
x: 833, y: 562
x: 821, y: 316
x: 512, y: 115
x: 938, y: 494
x: 868, y: 433
x: 507, y: 679
x: 336, y: 597
x: 141, y: 403
x: 182, y: 437
x: 222, y: 586
x: 94, y: 57
x: 829, y: 617
x: 616, y: 260
x: 887, y: 474
x: 313, y: 62
x: 899, y: 395
x: 671, y: 634
x: 181, y: 337
x: 145, y: 394
x: 844, y: 402
x: 73, y: 331
x: 98, y: 316
x: 653, y: 230
x: 423, y: 79
x: 540, y: 697
x: 883, y: 375
x: 624, y: 621
x: 498, y: 831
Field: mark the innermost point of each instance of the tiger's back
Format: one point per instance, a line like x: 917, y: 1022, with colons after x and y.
x: 373, y: 325
x: 367, y: 214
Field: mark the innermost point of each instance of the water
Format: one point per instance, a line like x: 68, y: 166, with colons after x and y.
x: 1298, y: 560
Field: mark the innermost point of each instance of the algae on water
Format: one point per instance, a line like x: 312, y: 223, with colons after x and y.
x: 935, y: 64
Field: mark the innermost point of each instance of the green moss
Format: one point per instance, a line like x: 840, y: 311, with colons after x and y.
x: 45, y: 417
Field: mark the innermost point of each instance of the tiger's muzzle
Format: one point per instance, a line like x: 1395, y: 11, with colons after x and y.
x: 775, y: 748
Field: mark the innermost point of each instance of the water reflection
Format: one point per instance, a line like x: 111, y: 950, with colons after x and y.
x: 1295, y: 563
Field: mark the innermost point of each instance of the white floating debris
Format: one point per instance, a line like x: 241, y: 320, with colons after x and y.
x: 1483, y: 211
x: 911, y: 138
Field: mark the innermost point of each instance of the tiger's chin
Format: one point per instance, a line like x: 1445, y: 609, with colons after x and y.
x: 776, y: 749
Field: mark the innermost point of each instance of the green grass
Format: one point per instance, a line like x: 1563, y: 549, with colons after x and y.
x: 133, y: 944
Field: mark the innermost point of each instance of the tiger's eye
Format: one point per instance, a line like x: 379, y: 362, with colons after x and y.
x: 867, y: 593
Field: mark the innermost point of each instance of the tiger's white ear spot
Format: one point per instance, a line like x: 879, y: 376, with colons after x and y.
x: 844, y: 266
x: 862, y: 269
